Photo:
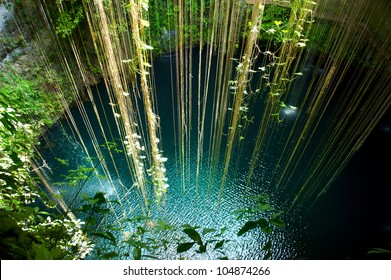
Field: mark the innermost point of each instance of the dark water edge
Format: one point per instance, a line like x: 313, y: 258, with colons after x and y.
x: 355, y: 214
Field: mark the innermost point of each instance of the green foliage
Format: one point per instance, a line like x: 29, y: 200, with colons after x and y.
x: 183, y: 247
x: 78, y: 176
x: 30, y: 97
x: 275, y: 23
x: 193, y: 234
x: 15, y: 243
x: 11, y: 42
x: 248, y: 226
x: 319, y: 36
x: 15, y: 150
x: 276, y: 220
x: 29, y: 100
x: 112, y: 146
x: 68, y: 20
x: 203, y: 241
x: 261, y: 216
x: 26, y: 232
x: 163, y: 17
x: 141, y: 237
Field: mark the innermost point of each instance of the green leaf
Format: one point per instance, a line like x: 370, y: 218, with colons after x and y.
x: 85, y: 197
x: 85, y: 207
x: 223, y: 230
x: 114, y: 201
x: 132, y: 242
x: 267, y: 246
x: 111, y: 237
x: 137, y: 253
x: 105, y: 235
x: 100, y: 234
x: 219, y: 244
x: 242, y: 213
x: 223, y: 258
x: 201, y: 249
x: 189, y: 226
x: 43, y: 253
x: 126, y: 220
x: 183, y: 247
x: 140, y: 218
x: 208, y: 230
x: 111, y: 227
x: 247, y: 226
x: 276, y: 220
x: 193, y: 234
x: 62, y: 161
x: 141, y: 230
x: 263, y: 223
x: 100, y: 198
x: 91, y: 222
x: 162, y: 225
x: 264, y: 206
x: 267, y: 230
x: 102, y: 210
x: 267, y: 256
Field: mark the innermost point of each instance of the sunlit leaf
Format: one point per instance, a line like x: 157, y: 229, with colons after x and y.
x: 277, y: 22
x: 147, y: 47
x: 208, y: 230
x: 140, y: 218
x: 276, y: 220
x: 264, y: 206
x: 162, y: 225
x: 62, y: 161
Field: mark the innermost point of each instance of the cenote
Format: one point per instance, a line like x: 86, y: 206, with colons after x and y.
x: 318, y: 232
x: 185, y: 203
x: 198, y: 130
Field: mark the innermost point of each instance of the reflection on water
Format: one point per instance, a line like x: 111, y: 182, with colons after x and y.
x: 305, y: 236
x: 182, y: 208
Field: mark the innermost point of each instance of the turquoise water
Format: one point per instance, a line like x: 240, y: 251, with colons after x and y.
x: 180, y: 207
x: 322, y: 232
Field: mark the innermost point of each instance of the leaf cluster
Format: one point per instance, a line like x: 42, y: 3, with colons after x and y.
x: 208, y: 236
x: 261, y: 216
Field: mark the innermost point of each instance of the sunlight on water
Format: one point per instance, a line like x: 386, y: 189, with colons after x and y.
x: 184, y: 208
x: 187, y: 207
